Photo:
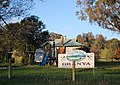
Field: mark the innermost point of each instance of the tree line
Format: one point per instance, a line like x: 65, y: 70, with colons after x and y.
x: 98, y: 44
x: 108, y: 49
x: 26, y: 36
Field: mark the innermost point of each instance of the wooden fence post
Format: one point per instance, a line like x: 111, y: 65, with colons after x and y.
x: 73, y: 71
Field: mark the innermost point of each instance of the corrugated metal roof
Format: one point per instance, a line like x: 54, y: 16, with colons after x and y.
x: 67, y: 43
x: 73, y: 43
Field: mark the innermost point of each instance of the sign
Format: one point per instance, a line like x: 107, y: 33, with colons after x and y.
x: 76, y: 55
x: 85, y: 61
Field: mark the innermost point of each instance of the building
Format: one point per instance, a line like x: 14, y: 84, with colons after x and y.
x: 61, y: 46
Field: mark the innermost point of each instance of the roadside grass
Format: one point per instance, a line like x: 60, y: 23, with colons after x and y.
x: 106, y: 73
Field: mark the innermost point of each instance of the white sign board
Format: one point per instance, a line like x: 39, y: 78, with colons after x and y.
x: 88, y: 62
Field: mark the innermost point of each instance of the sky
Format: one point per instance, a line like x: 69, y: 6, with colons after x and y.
x: 59, y: 16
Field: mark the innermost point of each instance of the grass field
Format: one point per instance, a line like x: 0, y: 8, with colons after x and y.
x: 106, y: 73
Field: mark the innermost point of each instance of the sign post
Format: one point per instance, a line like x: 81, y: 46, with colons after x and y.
x: 75, y: 55
x: 73, y: 71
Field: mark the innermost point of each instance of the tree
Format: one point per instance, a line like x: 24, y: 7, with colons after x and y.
x: 100, y: 41
x: 54, y: 36
x: 26, y: 35
x: 13, y: 8
x: 112, y: 45
x: 35, y: 36
x: 96, y: 50
x: 98, y: 45
x: 104, y: 53
x: 87, y: 39
x: 33, y: 31
x: 106, y: 13
x: 80, y: 39
x: 7, y: 38
x: 28, y: 32
x: 117, y: 54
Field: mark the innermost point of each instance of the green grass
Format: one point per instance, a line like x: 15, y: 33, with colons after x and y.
x: 106, y: 73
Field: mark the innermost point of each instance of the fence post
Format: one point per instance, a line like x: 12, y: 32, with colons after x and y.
x: 9, y: 65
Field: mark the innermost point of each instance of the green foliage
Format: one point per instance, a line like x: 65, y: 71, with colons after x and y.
x: 104, y: 53
x: 33, y: 32
x: 27, y: 36
x: 3, y: 57
x: 99, y: 45
x: 106, y: 13
x: 100, y: 41
x: 25, y: 59
x: 112, y: 45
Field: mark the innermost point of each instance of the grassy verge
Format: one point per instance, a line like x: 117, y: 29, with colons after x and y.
x: 105, y: 74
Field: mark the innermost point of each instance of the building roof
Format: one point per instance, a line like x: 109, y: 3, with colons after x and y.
x: 66, y: 43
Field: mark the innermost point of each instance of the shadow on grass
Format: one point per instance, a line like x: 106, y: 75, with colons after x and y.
x: 105, y: 64
x: 35, y: 80
x: 114, y: 73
